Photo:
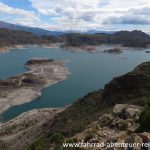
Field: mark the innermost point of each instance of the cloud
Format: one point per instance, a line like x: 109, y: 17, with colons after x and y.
x: 19, y: 16
x: 5, y: 9
x: 81, y: 14
x: 128, y: 19
x: 86, y: 14
x: 133, y: 16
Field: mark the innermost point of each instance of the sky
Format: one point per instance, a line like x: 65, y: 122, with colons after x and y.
x: 80, y: 15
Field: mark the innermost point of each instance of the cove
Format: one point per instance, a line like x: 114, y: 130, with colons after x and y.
x: 89, y: 72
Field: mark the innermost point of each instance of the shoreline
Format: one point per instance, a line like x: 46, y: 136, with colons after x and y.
x: 27, y: 87
x: 30, y: 114
x: 23, y: 46
x: 88, y: 48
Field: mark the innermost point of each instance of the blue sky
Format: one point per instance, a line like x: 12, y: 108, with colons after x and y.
x: 78, y: 14
x: 22, y: 4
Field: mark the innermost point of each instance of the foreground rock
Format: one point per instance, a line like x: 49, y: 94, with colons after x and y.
x: 116, y: 127
x: 26, y: 87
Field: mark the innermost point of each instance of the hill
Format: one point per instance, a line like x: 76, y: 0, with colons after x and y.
x: 10, y: 38
x: 37, y: 31
x: 126, y: 38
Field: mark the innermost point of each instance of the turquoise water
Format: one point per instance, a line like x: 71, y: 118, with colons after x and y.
x: 89, y: 72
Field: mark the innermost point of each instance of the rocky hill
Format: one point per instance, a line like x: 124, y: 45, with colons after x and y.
x: 36, y: 31
x: 96, y: 108
x: 126, y: 38
x: 10, y: 38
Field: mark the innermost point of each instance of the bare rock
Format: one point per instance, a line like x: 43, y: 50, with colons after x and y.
x: 105, y: 120
x: 134, y: 139
x: 125, y: 111
x: 119, y: 124
x: 132, y: 112
x: 145, y: 136
x: 119, y: 109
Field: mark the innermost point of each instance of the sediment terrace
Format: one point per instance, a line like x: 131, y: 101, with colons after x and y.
x: 27, y: 86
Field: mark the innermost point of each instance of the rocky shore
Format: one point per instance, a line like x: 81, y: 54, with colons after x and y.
x: 27, y: 86
x: 22, y: 46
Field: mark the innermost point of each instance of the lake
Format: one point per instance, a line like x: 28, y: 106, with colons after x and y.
x: 89, y: 72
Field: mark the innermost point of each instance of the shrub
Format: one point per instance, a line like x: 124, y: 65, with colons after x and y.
x: 88, y: 137
x: 40, y: 145
x: 144, y: 119
x: 124, y: 125
x: 57, y: 138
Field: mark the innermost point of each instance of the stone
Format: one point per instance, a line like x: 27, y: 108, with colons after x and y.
x: 105, y: 120
x: 145, y: 136
x: 119, y: 108
x: 119, y: 124
x: 132, y: 112
x: 134, y: 139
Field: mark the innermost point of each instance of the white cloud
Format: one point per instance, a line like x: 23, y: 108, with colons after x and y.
x: 19, y: 16
x: 88, y: 14
x: 82, y: 14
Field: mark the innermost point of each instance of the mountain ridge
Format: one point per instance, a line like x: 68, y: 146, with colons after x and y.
x: 37, y: 31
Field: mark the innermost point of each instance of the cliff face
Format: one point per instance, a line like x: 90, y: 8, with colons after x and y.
x: 132, y: 88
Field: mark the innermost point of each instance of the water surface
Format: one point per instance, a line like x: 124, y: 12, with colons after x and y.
x: 89, y: 72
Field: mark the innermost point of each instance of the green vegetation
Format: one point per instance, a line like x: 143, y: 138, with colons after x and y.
x: 134, y: 38
x: 88, y: 137
x: 144, y: 119
x: 12, y: 37
x: 42, y: 144
x: 57, y: 138
x: 73, y: 148
x: 126, y: 38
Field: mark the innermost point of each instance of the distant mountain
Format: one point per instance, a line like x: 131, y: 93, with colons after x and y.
x: 16, y: 34
x: 99, y: 31
x: 10, y: 37
x: 127, y: 38
x: 37, y: 31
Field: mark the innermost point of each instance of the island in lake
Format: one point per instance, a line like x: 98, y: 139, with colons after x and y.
x: 27, y: 86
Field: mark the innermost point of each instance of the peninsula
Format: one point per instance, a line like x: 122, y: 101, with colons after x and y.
x: 27, y: 86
